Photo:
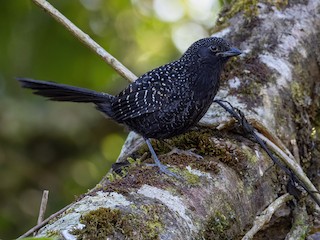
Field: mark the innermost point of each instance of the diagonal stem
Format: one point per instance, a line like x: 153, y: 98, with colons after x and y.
x: 86, y: 40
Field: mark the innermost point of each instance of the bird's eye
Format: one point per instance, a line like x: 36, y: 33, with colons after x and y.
x: 214, y: 49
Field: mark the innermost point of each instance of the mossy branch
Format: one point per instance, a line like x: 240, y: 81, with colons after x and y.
x: 86, y: 40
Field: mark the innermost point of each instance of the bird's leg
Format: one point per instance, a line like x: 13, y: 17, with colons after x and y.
x: 162, y: 167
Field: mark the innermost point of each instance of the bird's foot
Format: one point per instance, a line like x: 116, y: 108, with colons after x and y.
x: 185, y: 152
x: 163, y: 169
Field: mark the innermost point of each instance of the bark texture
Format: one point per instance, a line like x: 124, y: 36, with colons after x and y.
x: 276, y: 82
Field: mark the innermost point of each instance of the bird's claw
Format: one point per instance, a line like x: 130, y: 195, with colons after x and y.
x: 164, y: 169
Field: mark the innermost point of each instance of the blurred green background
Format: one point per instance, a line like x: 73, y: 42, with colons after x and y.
x: 67, y: 147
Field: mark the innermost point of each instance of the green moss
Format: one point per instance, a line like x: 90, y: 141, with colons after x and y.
x: 216, y: 227
x: 112, y: 176
x: 99, y: 224
x: 106, y: 223
x: 221, y: 224
x: 248, y: 7
x: 53, y: 234
x: 153, y: 222
x: 250, y: 156
x: 121, y: 172
x: 135, y: 178
x: 297, y: 93
x: 201, y: 142
x: 208, y: 164
x: 279, y: 4
x: 191, y: 179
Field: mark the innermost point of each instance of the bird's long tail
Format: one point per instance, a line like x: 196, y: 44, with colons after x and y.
x: 61, y: 92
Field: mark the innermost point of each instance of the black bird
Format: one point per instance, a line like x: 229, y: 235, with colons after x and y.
x: 162, y: 103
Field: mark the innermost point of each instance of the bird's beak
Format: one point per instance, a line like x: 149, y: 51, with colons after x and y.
x: 231, y: 52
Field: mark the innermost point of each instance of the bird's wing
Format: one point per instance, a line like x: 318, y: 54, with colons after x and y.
x: 144, y: 96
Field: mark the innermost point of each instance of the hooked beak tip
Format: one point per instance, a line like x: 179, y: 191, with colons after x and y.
x: 231, y: 52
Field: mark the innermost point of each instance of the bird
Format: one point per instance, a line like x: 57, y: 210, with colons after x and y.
x: 162, y: 103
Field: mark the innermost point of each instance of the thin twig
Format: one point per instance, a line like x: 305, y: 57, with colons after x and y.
x: 295, y: 150
x: 260, y: 127
x: 266, y: 215
x: 295, y: 168
x: 37, y: 227
x: 43, y: 206
x: 84, y: 38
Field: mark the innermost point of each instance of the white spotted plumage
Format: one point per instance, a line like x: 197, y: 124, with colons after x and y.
x: 166, y: 101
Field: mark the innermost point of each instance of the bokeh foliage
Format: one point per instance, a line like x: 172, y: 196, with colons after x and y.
x: 64, y: 147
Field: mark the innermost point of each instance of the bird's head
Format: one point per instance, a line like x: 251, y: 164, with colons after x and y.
x: 210, y: 50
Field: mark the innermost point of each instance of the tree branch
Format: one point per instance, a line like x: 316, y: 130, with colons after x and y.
x: 294, y: 166
x: 86, y: 40
x: 40, y: 225
x: 43, y: 206
x: 265, y: 216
